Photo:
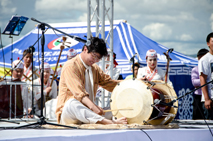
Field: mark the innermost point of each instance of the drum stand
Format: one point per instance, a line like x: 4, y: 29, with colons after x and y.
x: 171, y: 104
x: 158, y: 101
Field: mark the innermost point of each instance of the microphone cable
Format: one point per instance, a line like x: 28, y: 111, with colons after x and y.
x: 200, y: 113
x: 146, y: 134
x: 204, y: 119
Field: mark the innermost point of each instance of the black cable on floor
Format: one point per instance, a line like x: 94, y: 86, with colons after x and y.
x: 146, y: 134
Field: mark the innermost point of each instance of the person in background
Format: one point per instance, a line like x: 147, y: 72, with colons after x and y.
x: 80, y: 78
x: 197, y: 104
x: 71, y: 53
x: 49, y: 92
x: 205, y: 67
x: 17, y: 70
x: 28, y: 67
x: 115, y: 71
x: 17, y: 73
x: 115, y: 76
x: 152, y: 72
x: 28, y: 76
x: 136, y: 68
x: 120, y: 77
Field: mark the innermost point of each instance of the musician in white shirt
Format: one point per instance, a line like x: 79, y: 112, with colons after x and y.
x: 48, y: 90
x: 152, y: 72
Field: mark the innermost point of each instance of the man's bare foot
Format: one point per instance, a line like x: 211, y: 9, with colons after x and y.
x: 122, y: 120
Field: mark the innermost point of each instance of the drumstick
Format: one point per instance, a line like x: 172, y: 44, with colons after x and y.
x: 117, y: 110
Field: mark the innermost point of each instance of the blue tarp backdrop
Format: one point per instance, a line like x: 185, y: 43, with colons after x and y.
x: 127, y: 42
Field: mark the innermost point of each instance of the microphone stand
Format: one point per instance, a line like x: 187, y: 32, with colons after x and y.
x: 42, y: 118
x: 31, y: 49
x: 74, y: 37
x: 133, y: 65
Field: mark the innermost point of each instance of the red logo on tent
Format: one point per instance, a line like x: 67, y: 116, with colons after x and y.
x: 56, y: 43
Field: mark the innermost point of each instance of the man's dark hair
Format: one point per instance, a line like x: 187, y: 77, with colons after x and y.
x: 202, y: 52
x: 25, y: 52
x: 97, y: 45
x: 209, y: 36
x: 136, y: 65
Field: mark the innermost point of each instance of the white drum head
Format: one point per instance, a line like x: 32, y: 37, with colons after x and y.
x: 133, y: 96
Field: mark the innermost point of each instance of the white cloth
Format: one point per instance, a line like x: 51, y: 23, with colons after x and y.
x: 205, y: 65
x: 88, y: 85
x: 37, y: 92
x: 160, y: 75
x: 17, y: 64
x: 27, y: 94
x: 28, y: 72
x: 50, y: 108
x: 115, y: 75
x: 100, y: 91
x: 88, y: 80
x: 115, y: 72
x: 27, y: 98
x: 75, y: 112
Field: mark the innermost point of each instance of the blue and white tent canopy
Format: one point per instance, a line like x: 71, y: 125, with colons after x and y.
x: 127, y: 42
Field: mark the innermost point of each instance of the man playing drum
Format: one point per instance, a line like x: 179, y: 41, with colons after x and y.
x: 79, y: 81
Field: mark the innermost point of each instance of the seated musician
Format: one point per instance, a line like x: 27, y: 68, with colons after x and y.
x: 136, y: 68
x: 79, y: 81
x: 49, y: 92
x: 17, y: 74
x: 152, y: 72
x: 71, y: 53
x: 28, y: 67
x: 28, y: 74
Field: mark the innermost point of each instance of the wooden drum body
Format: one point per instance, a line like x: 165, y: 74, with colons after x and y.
x: 136, y: 97
x: 11, y: 104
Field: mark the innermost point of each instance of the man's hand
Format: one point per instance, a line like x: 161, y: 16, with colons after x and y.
x: 144, y: 78
x: 48, y: 89
x: 208, y: 104
x: 97, y: 110
x: 87, y: 102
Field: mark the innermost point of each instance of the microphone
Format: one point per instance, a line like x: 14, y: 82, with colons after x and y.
x: 31, y: 49
x: 33, y: 19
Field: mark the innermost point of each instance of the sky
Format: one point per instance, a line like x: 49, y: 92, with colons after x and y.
x: 179, y: 24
